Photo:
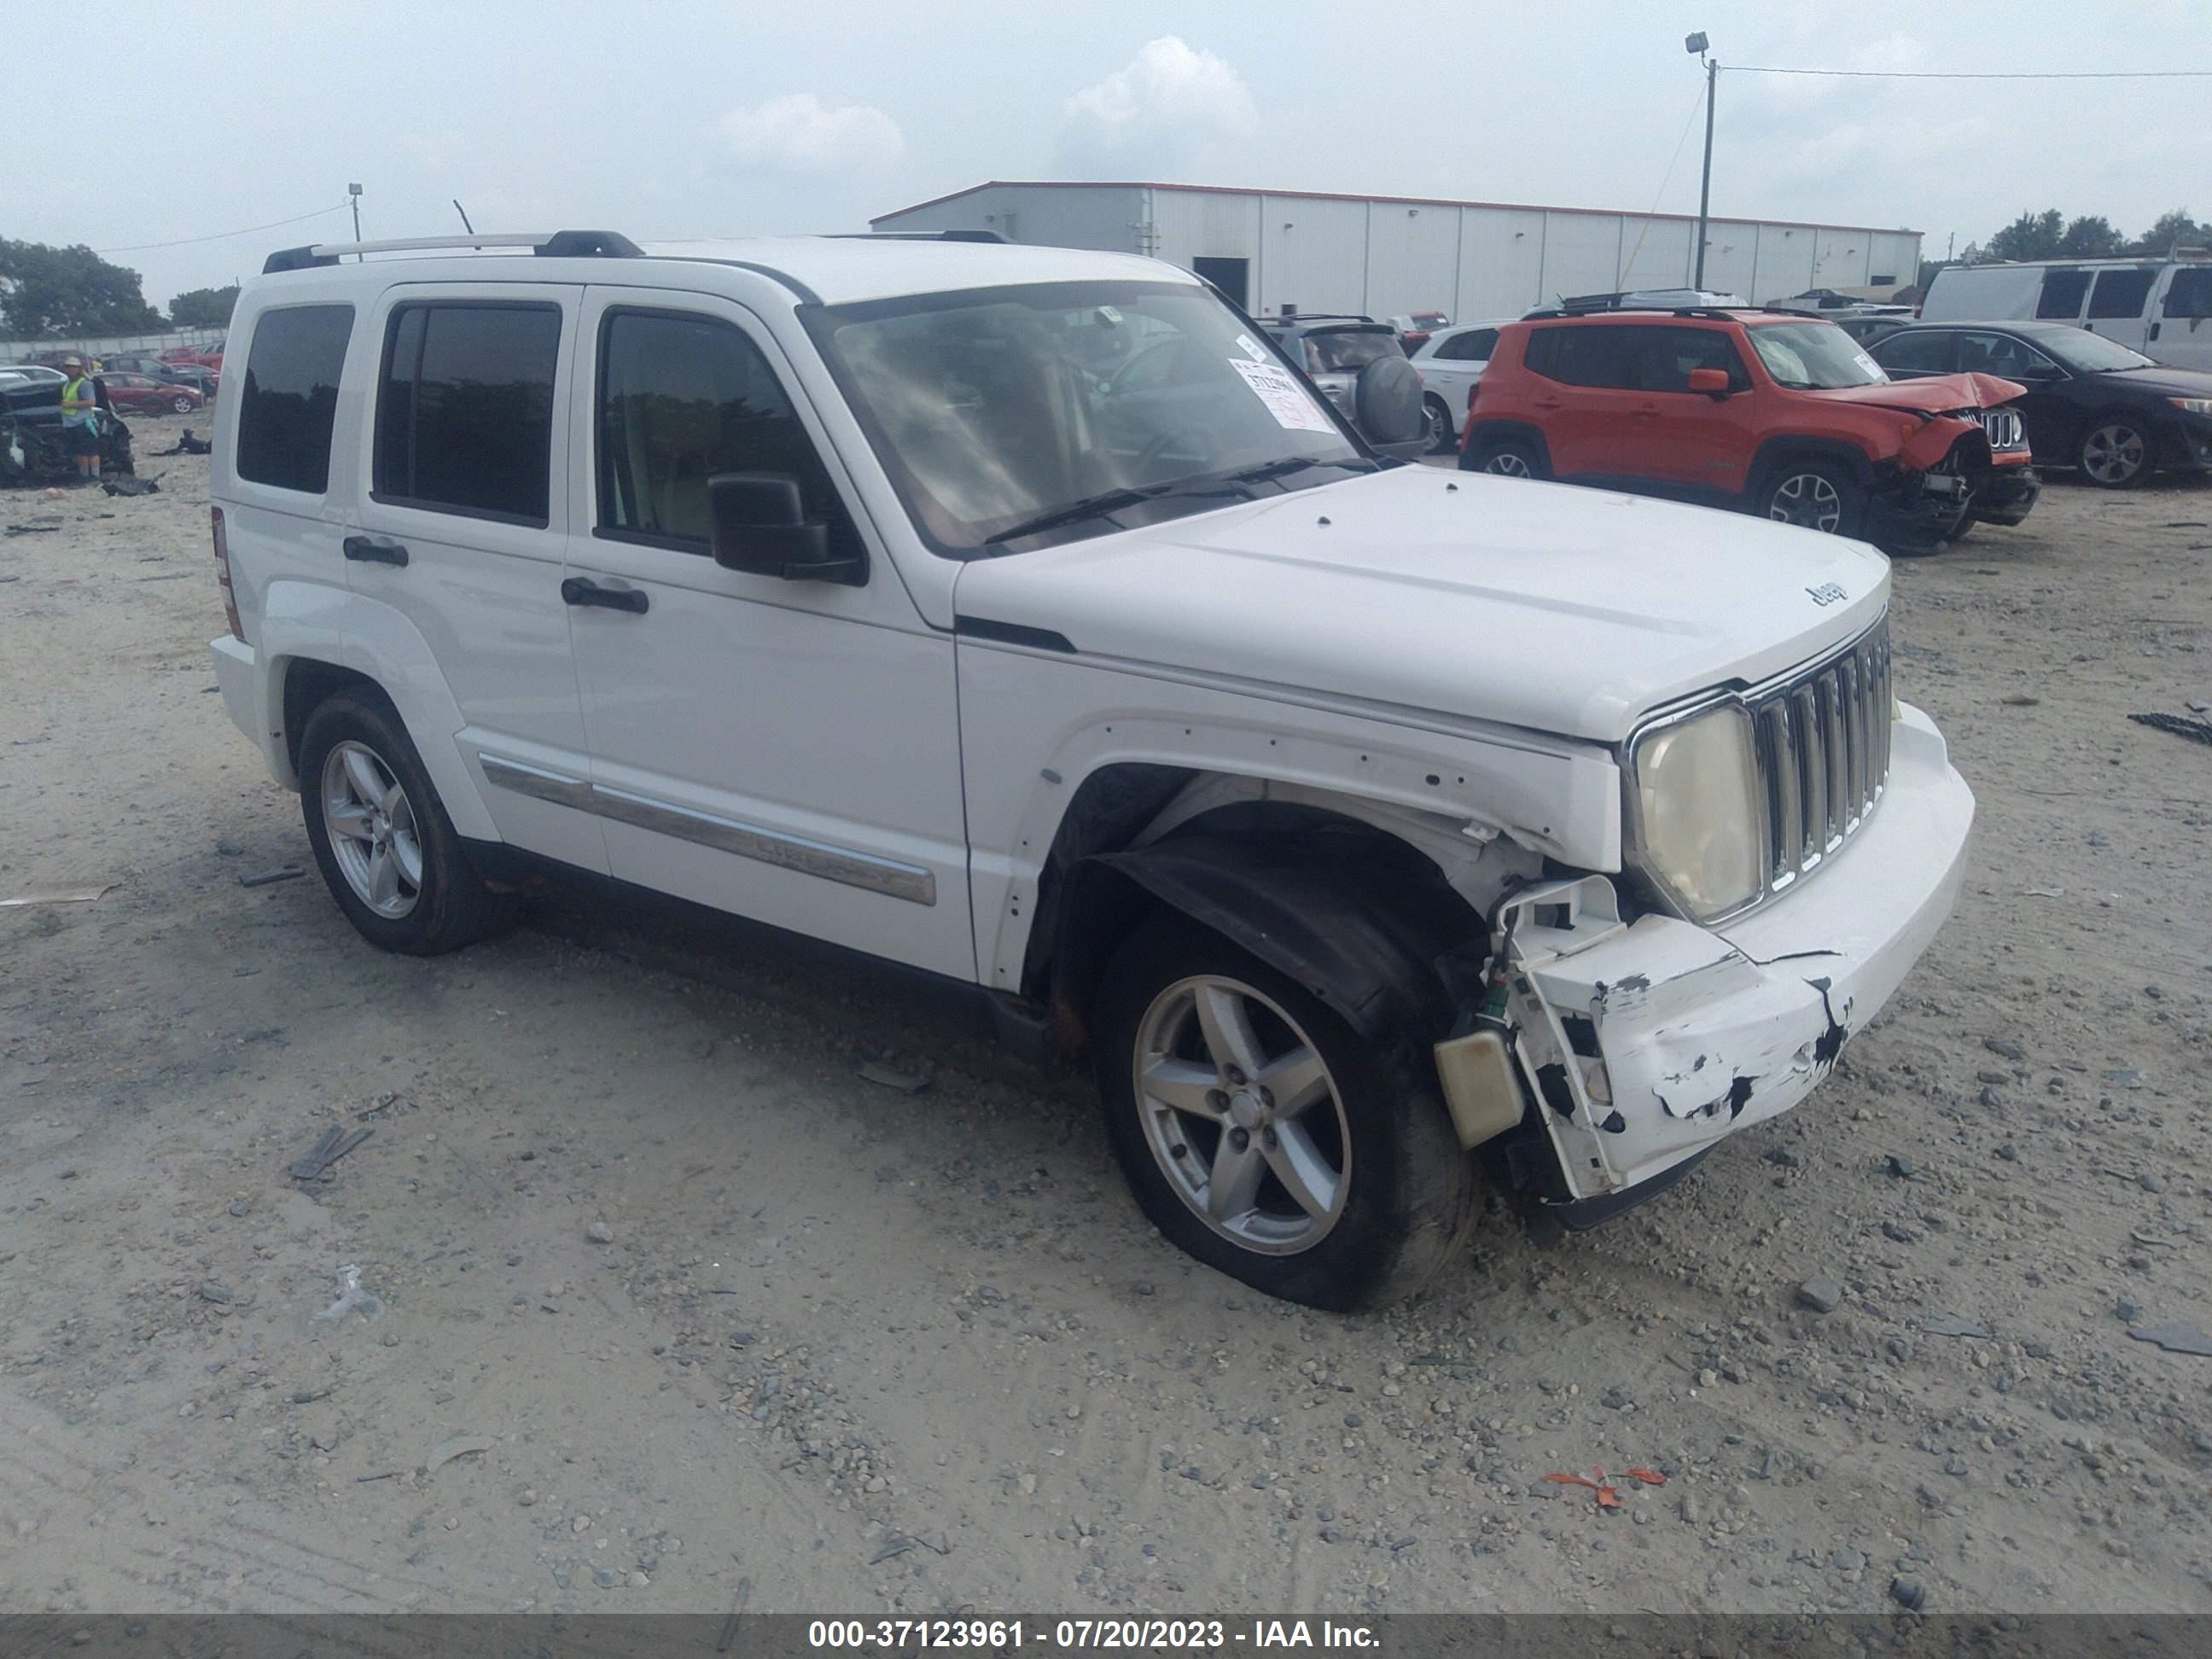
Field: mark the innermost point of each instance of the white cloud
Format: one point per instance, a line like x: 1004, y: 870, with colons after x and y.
x: 799, y: 133
x: 1168, y: 103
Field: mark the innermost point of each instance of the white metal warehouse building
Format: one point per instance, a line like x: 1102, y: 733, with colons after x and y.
x: 1391, y: 255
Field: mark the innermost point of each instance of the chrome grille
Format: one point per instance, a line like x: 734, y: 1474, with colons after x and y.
x: 1822, y: 741
x: 2003, y: 428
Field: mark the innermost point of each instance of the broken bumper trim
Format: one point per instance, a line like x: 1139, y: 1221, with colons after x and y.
x: 1661, y: 1038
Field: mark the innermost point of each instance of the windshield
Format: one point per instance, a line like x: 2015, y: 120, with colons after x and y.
x: 2090, y: 354
x: 1815, y: 357
x: 1347, y: 351
x: 993, y: 408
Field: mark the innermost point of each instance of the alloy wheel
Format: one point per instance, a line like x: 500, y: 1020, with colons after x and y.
x: 372, y: 831
x: 2113, y: 453
x: 1808, y: 500
x: 1507, y: 464
x: 1242, y: 1115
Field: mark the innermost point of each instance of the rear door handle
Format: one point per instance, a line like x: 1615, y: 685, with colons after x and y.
x: 368, y: 550
x: 581, y: 590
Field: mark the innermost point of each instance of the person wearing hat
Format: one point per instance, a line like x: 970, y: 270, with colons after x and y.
x: 80, y: 417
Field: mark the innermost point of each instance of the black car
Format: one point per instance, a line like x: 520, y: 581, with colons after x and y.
x: 2090, y: 404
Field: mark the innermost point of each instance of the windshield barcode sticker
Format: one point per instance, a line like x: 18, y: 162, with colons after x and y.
x: 1251, y: 349
x: 1287, y: 400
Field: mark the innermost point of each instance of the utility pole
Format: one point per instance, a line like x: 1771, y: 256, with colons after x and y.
x: 1697, y: 43
x: 353, y: 193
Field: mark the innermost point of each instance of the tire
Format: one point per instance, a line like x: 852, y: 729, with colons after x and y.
x: 1441, y: 438
x: 1813, y: 495
x: 1508, y: 458
x: 1401, y: 1193
x: 182, y: 406
x: 2117, y: 451
x: 420, y: 897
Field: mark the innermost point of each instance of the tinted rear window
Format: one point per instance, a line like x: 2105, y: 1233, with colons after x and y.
x: 2061, y: 294
x: 1585, y: 355
x: 291, y: 397
x: 464, y: 408
x: 1913, y: 350
x: 2121, y: 293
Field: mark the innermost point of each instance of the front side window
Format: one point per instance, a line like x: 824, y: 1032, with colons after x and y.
x: 1095, y: 405
x: 2001, y: 354
x: 681, y: 398
x: 2190, y: 293
x: 2062, y: 296
x: 1347, y: 351
x: 464, y: 408
x: 289, y: 400
x: 1915, y: 351
x: 1668, y: 354
x: 1474, y: 346
x: 1815, y: 357
x: 2120, y: 294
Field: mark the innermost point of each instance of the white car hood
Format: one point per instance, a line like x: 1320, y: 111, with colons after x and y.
x: 1548, y: 606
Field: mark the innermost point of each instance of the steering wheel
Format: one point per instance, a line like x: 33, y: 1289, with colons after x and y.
x: 1113, y: 382
x: 1160, y: 446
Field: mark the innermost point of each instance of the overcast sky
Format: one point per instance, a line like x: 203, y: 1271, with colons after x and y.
x: 673, y: 120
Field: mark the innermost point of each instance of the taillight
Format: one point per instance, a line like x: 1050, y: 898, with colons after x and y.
x: 223, y: 575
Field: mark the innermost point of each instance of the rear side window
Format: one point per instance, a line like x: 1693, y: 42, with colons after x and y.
x: 291, y: 397
x: 464, y: 410
x: 2120, y: 292
x: 1602, y: 356
x: 1914, y: 351
x: 683, y: 398
x: 1475, y: 346
x: 2061, y: 294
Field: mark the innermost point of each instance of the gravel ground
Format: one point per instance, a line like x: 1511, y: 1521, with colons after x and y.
x: 675, y: 1311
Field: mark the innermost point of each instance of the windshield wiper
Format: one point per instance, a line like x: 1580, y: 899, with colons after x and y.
x: 1290, y: 463
x: 1106, y: 502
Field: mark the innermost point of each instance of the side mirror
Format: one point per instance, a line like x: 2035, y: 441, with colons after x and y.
x: 1713, y: 382
x: 1388, y: 408
x: 759, y: 525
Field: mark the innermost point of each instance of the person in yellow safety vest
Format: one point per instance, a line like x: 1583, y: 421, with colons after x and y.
x: 80, y: 417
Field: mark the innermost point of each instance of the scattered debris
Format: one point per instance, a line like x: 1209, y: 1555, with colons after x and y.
x: 1608, y: 1497
x: 33, y: 529
x: 308, y: 1396
x: 2126, y: 1077
x: 213, y: 1291
x: 458, y: 1445
x: 2043, y: 892
x: 907, y: 1082
x: 1822, y: 1296
x: 1648, y: 1477
x: 350, y: 1298
x: 364, y: 1480
x: 1901, y: 1166
x: 1907, y: 1594
x: 263, y: 877
x: 2178, y: 724
x: 57, y: 896
x: 132, y: 486
x: 188, y: 443
x: 335, y: 1144
x: 2174, y: 1338
x: 2021, y: 700
x: 1950, y: 1324
x: 894, y: 1543
x: 600, y: 1233
x: 384, y: 1102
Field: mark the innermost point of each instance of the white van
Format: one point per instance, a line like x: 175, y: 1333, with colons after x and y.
x: 1019, y: 615
x: 2160, y: 307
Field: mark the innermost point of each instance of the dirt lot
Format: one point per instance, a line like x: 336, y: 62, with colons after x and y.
x: 727, y: 1322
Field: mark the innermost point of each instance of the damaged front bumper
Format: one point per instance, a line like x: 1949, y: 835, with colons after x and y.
x: 1643, y: 1043
x: 2006, y: 495
x: 1919, y: 510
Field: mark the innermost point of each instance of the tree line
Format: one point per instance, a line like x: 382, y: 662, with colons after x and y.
x: 48, y: 292
x: 2050, y: 234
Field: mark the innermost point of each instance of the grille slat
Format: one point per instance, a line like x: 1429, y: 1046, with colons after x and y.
x: 1822, y: 742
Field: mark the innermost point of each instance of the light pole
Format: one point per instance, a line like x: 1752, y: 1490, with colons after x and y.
x: 353, y: 194
x: 1696, y: 44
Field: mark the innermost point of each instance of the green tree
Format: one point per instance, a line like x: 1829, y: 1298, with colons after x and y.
x: 2091, y: 237
x: 2031, y: 236
x: 203, y: 307
x: 68, y: 290
x: 2170, y: 230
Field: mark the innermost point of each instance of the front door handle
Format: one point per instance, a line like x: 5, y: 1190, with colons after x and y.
x: 581, y: 590
x: 368, y: 550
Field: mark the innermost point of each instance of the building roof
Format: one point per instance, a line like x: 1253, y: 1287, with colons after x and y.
x: 1403, y: 201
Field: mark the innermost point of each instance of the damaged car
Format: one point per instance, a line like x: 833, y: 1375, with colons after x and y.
x: 1774, y: 413
x: 1375, y: 836
x: 32, y: 448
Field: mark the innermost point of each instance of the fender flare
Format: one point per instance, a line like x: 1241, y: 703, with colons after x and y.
x: 1476, y: 433
x: 1775, y: 451
x: 1366, y: 941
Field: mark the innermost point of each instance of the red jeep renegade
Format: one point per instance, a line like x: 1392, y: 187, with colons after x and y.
x: 1766, y: 411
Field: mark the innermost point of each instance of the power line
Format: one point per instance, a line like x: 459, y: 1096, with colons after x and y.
x: 1979, y: 74
x: 1662, y: 190
x: 186, y: 241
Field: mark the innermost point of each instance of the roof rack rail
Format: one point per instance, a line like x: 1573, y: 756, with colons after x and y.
x: 549, y: 244
x: 916, y: 236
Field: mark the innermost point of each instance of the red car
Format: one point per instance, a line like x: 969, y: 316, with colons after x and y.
x: 148, y: 396
x: 1777, y: 413
x: 206, y: 357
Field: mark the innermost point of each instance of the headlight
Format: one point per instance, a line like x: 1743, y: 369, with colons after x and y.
x: 1698, y: 810
x: 2192, y: 405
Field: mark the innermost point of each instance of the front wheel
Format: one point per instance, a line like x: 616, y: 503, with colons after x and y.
x: 387, y: 851
x: 2116, y: 452
x: 1814, y: 496
x: 182, y: 404
x: 1507, y: 458
x: 1261, y: 1135
x: 1441, y: 437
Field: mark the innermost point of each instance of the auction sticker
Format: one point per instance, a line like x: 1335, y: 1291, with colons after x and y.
x: 1287, y: 400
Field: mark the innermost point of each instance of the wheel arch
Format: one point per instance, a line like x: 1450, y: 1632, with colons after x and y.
x: 1780, y: 451
x: 1479, y: 432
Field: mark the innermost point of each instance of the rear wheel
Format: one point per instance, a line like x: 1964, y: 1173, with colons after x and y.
x: 387, y: 851
x: 181, y: 404
x: 1260, y: 1134
x: 1440, y: 424
x: 1509, y: 457
x: 2116, y: 452
x: 1813, y: 495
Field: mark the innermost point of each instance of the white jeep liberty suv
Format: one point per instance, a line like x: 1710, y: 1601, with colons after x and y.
x: 1022, y: 614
